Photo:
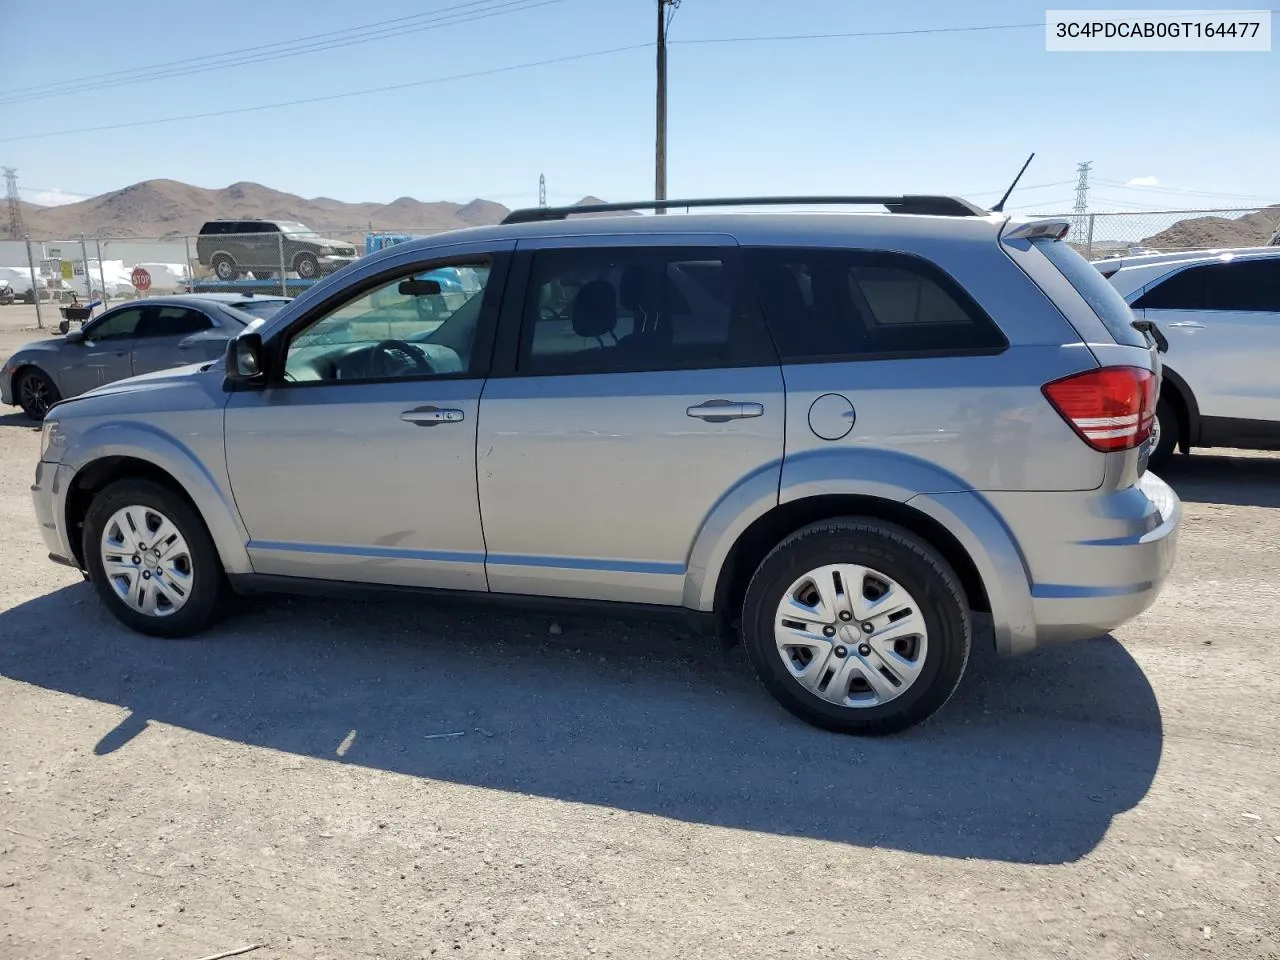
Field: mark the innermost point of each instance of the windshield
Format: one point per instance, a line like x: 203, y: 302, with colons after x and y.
x: 1096, y: 291
x: 263, y: 309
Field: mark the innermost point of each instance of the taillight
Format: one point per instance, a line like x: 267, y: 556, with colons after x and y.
x: 1111, y: 408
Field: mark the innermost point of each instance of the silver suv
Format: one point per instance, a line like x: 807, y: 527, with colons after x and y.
x: 837, y: 435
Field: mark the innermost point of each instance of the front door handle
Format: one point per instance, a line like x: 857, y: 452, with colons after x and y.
x: 429, y: 416
x: 1187, y: 325
x: 722, y: 411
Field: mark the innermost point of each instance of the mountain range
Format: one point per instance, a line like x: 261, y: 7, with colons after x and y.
x: 170, y: 208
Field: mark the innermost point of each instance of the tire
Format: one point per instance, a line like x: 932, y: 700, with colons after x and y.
x: 1168, y: 436
x: 203, y: 588
x: 932, y: 658
x: 35, y: 392
x: 224, y: 268
x: 306, y: 265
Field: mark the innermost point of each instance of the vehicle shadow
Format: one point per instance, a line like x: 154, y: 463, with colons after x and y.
x: 1218, y: 478
x: 1027, y: 764
x: 18, y: 420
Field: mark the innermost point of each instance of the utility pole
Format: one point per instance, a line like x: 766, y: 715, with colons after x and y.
x: 666, y: 10
x: 542, y: 189
x: 16, y: 230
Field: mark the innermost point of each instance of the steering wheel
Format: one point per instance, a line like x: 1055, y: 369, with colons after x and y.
x: 398, y: 358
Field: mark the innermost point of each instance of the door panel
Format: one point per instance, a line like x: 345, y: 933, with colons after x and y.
x: 595, y: 487
x: 359, y: 463
x: 1223, y: 325
x: 173, y: 336
x: 599, y: 461
x: 1226, y: 358
x: 103, y: 356
x: 332, y: 482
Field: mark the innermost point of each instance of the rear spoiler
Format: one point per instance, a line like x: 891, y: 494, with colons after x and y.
x: 1038, y: 230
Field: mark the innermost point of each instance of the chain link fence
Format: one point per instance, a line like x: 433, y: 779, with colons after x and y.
x: 1100, y: 235
x: 283, y: 258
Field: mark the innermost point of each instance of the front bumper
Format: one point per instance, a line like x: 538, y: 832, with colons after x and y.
x: 334, y: 263
x: 49, y: 496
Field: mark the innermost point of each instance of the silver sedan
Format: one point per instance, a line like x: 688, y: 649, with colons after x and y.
x: 138, y: 337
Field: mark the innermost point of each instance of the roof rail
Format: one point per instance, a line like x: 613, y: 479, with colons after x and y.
x: 939, y: 206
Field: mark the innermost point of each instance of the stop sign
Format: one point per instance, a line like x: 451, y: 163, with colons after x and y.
x: 140, y: 278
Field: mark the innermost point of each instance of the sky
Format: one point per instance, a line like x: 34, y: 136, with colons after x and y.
x: 943, y: 112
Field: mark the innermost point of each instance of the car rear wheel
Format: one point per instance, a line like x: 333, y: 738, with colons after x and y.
x: 36, y: 392
x: 224, y: 268
x: 1164, y: 434
x: 151, y: 559
x: 306, y: 265
x: 857, y: 626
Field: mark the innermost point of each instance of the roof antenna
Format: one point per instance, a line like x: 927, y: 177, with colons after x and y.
x: 999, y: 207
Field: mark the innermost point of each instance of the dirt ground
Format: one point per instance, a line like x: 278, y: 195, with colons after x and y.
x: 390, y: 780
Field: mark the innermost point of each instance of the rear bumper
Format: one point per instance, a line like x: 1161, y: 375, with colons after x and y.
x: 49, y: 497
x: 1095, y: 560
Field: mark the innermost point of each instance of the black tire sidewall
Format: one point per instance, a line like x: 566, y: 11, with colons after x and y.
x: 898, y: 555
x: 1168, y: 443
x: 208, y: 590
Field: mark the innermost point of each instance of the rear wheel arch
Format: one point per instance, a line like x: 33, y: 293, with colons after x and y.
x: 770, y: 529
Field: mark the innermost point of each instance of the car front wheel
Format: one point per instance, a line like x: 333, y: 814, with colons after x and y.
x: 306, y: 265
x: 151, y: 559
x: 857, y: 626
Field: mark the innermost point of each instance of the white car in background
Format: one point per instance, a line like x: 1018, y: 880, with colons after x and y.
x: 1220, y: 310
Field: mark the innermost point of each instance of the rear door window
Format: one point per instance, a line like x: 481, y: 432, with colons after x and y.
x: 827, y: 304
x: 1100, y: 295
x: 613, y: 310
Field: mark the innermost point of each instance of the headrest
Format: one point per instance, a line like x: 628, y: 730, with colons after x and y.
x: 595, y: 309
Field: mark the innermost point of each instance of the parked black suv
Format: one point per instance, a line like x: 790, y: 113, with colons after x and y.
x: 233, y: 247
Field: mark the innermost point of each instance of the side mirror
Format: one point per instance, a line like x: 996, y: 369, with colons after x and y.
x: 75, y: 336
x: 244, y: 358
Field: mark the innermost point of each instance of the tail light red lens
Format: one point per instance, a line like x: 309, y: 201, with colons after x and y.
x: 1111, y: 408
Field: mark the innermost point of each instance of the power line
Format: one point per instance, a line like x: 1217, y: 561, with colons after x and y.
x: 1181, y: 192
x: 866, y: 33
x: 488, y: 72
x: 467, y: 12
x: 332, y: 96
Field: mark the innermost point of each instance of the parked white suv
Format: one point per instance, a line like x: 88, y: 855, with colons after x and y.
x: 1220, y: 310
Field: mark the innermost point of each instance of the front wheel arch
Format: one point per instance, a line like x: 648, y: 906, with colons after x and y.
x: 99, y: 475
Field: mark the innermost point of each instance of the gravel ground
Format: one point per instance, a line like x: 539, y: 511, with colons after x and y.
x: 346, y: 780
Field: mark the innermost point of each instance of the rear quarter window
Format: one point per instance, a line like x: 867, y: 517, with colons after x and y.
x: 823, y: 304
x: 1095, y: 290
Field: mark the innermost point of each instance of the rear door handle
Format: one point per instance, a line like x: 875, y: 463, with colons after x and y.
x: 722, y: 411
x: 1187, y: 325
x: 429, y: 416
